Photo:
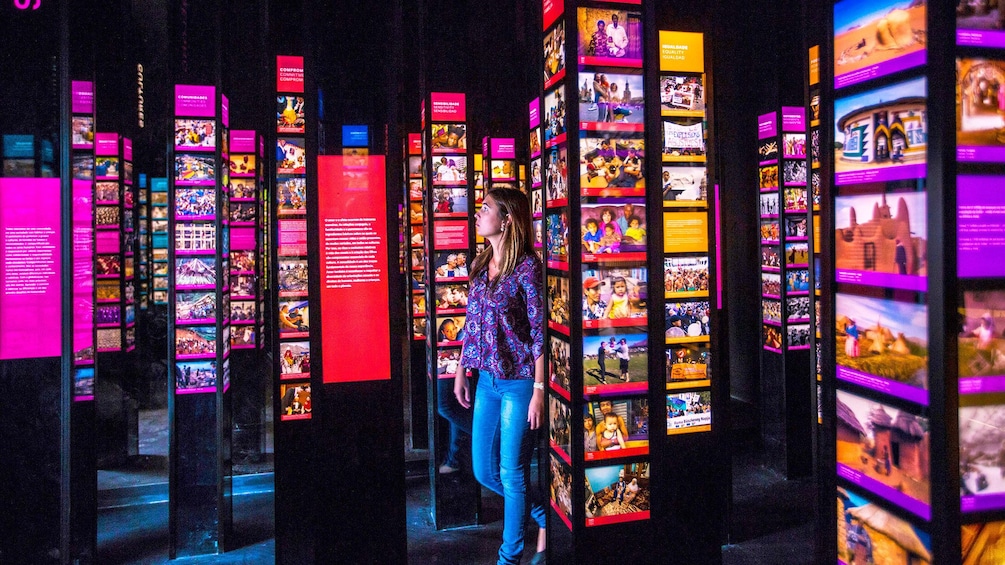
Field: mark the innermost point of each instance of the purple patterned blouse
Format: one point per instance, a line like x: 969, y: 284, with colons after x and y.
x: 504, y: 329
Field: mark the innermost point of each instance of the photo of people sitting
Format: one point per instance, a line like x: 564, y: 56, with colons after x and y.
x: 242, y: 311
x: 195, y: 341
x: 198, y: 374
x: 190, y: 306
x: 295, y: 359
x: 293, y: 317
x: 687, y: 319
x: 617, y: 489
x: 613, y: 228
x: 612, y: 162
x: 194, y: 134
x: 296, y: 400
x: 242, y: 188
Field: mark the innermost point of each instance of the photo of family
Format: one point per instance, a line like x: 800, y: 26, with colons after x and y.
x: 194, y: 135
x: 450, y: 202
x: 886, y: 444
x: 617, y: 490
x: 296, y: 401
x: 609, y: 37
x: 615, y: 227
x: 607, y: 100
x: 615, y: 356
x: 616, y: 425
x: 612, y: 162
x: 685, y: 186
x: 614, y: 293
x: 688, y: 365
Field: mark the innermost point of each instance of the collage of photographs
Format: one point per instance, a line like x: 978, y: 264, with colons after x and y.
x: 116, y: 262
x: 292, y: 266
x: 881, y: 311
x: 199, y: 207
x: 245, y: 277
x: 159, y: 240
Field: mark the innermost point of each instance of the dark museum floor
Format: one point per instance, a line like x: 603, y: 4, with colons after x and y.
x: 772, y: 517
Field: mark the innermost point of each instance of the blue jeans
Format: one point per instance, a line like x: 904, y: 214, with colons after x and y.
x: 457, y: 416
x: 501, y: 446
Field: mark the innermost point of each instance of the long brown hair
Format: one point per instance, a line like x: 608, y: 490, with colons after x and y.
x: 516, y: 241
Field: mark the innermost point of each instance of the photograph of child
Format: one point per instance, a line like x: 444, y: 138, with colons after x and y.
x: 449, y: 330
x: 615, y: 356
x: 290, y: 114
x: 614, y: 293
x: 296, y: 400
x: 619, y: 424
x: 291, y: 157
x: 450, y: 202
x: 686, y: 185
x: 194, y: 135
x: 617, y: 490
x: 609, y: 98
x: 295, y: 359
x: 612, y: 161
x: 449, y: 138
x: 616, y: 227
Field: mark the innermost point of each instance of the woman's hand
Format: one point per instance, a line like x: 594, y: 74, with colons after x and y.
x: 535, y: 412
x: 462, y: 390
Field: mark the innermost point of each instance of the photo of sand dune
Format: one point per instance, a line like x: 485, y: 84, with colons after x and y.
x: 867, y: 33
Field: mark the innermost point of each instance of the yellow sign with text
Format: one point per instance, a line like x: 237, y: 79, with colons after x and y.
x: 814, y: 65
x: 682, y: 51
x: 685, y: 232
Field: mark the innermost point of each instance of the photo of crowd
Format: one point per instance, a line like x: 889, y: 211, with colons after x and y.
x: 106, y: 216
x: 106, y: 193
x: 107, y: 315
x: 798, y: 335
x: 797, y: 280
x: 771, y: 311
x: 195, y: 341
x: 195, y: 203
x: 612, y: 162
x: 797, y: 309
x: 685, y: 276
x: 794, y: 172
x: 771, y: 284
x: 195, y: 306
x: 683, y: 138
x: 687, y: 320
x: 794, y: 145
x: 242, y: 213
x: 292, y: 195
x: 194, y: 134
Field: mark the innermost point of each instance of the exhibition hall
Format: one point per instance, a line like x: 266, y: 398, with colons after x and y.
x: 296, y: 282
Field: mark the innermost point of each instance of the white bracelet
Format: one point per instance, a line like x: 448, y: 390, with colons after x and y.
x: 538, y: 386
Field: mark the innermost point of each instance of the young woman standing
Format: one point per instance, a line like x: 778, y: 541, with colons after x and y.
x: 504, y: 340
